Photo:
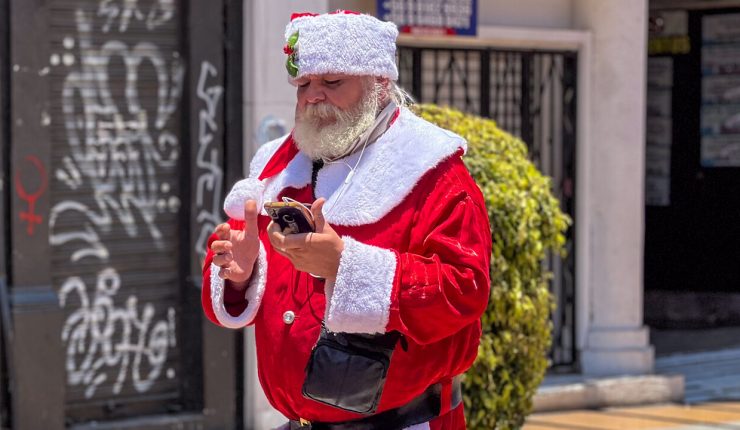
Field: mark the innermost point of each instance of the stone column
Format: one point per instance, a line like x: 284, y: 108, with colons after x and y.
x: 615, y: 341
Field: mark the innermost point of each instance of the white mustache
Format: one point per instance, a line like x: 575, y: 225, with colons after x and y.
x: 322, y: 112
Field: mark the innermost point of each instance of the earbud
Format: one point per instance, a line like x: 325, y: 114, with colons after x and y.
x: 349, y: 176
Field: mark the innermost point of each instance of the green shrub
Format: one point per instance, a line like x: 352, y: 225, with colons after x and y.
x: 526, y: 222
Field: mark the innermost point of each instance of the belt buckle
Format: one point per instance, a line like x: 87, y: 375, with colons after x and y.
x: 304, y: 422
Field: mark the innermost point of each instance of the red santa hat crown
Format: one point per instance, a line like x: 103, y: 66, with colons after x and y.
x: 340, y: 42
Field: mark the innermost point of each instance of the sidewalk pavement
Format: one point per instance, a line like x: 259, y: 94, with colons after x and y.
x: 711, y: 415
x: 711, y: 401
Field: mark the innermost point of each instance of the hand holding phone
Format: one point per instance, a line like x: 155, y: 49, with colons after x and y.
x: 292, y: 217
x: 315, y: 251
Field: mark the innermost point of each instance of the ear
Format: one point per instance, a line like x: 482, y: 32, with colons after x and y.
x: 386, y: 88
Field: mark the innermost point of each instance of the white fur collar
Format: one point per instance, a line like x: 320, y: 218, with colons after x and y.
x: 388, y: 171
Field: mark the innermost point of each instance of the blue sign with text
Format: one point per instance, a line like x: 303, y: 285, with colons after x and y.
x: 436, y: 17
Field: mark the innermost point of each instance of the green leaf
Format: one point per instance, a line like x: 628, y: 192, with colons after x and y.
x: 290, y: 65
x: 293, y: 39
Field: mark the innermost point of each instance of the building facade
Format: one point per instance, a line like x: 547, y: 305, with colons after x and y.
x: 122, y: 124
x: 607, y: 39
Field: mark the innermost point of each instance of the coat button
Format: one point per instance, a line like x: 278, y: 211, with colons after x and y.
x: 288, y: 317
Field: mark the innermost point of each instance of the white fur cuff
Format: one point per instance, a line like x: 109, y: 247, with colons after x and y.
x: 254, y: 293
x: 360, y: 300
x: 250, y: 188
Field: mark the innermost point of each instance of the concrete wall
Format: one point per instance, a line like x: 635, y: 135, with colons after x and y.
x: 526, y: 13
x: 507, y: 13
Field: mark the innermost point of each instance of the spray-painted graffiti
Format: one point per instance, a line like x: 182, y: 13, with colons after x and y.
x: 119, y: 147
x: 210, y: 174
x: 30, y: 215
x: 119, y: 151
x: 104, y: 336
x: 160, y: 11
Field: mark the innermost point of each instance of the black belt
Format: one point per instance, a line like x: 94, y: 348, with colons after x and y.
x: 420, y: 410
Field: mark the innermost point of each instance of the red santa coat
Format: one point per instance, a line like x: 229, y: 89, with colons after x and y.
x: 416, y: 260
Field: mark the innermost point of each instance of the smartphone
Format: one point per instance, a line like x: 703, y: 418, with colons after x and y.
x: 292, y: 217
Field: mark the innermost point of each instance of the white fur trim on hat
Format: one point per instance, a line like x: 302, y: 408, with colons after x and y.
x: 344, y: 43
x: 360, y: 299
x: 253, y: 294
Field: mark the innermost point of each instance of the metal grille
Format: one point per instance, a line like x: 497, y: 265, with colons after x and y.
x: 531, y: 94
x: 116, y: 80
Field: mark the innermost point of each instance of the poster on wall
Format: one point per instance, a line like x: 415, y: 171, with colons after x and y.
x: 720, y: 120
x: 668, y: 32
x: 431, y: 17
x: 720, y: 91
x: 720, y: 151
x: 721, y: 28
x: 658, y: 191
x: 659, y: 103
x: 720, y: 60
x: 659, y: 131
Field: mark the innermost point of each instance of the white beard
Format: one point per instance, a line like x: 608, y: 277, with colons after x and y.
x: 323, y: 131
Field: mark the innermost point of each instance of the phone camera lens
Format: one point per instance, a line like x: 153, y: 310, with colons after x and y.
x: 288, y: 218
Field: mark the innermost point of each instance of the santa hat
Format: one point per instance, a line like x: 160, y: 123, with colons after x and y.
x: 342, y: 42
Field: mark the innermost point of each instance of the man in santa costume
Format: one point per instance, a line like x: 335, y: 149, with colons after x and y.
x: 402, y: 242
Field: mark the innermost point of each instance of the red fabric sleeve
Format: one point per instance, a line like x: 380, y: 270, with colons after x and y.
x: 442, y: 283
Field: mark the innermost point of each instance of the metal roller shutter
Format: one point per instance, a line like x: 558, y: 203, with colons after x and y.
x: 4, y: 239
x: 4, y: 305
x: 116, y: 77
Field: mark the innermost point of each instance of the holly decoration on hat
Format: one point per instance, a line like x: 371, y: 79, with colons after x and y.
x: 290, y: 50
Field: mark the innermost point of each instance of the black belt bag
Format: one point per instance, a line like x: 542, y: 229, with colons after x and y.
x: 348, y: 371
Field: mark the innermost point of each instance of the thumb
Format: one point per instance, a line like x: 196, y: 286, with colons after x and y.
x: 250, y: 216
x: 318, y: 215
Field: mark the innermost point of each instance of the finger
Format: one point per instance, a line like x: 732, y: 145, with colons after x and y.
x: 224, y: 273
x: 283, y: 253
x: 223, y: 260
x: 299, y: 241
x: 276, y: 236
x: 318, y: 214
x: 250, y: 216
x: 221, y: 246
x: 223, y: 231
x: 272, y: 225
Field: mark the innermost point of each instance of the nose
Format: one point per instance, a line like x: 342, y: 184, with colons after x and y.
x: 314, y: 94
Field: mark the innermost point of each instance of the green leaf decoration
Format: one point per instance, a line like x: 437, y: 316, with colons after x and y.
x: 293, y: 39
x: 290, y: 64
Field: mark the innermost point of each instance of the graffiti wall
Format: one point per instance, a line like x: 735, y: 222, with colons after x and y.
x: 116, y: 80
x: 116, y: 119
x: 209, y: 159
